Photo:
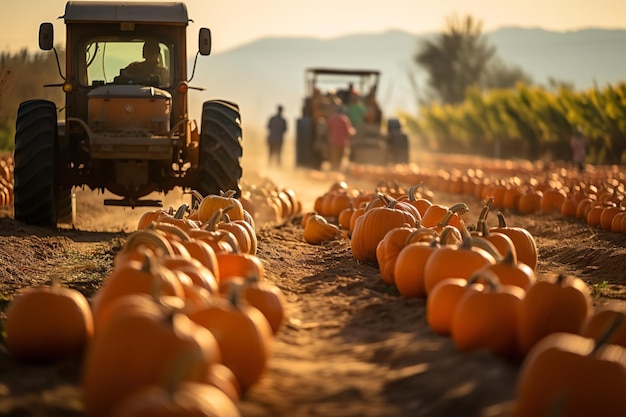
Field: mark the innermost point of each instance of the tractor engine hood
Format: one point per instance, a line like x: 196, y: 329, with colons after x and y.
x: 132, y: 110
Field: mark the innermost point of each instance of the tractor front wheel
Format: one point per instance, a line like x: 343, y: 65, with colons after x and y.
x: 35, y: 198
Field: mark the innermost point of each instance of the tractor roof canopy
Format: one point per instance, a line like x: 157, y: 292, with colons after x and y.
x: 340, y: 71
x: 116, y: 11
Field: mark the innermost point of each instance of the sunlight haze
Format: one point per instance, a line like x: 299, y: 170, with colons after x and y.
x: 237, y: 22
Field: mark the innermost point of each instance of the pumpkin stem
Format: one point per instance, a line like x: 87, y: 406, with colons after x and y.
x: 459, y: 208
x: 420, y: 233
x: 487, y: 246
x: 446, y: 218
x: 171, y: 229
x: 234, y: 293
x: 609, y: 331
x: 450, y: 235
x: 181, y: 211
x: 197, y: 197
x: 486, y: 275
x: 228, y: 194
x: 445, y: 236
x: 501, y: 220
x: 412, y: 191
x: 150, y: 238
x: 481, y: 224
x: 211, y: 223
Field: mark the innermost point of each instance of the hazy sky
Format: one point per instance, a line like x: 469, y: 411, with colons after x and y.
x: 236, y: 22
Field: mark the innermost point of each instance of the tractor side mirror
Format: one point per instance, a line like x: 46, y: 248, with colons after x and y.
x: 46, y: 36
x: 204, y: 41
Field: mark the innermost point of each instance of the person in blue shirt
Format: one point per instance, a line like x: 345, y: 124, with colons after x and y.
x: 276, y: 126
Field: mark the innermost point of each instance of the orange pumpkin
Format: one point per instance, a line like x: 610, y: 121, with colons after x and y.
x: 556, y: 304
x: 443, y: 300
x: 266, y: 297
x: 243, y: 333
x: 524, y: 242
x: 410, y: 267
x: 487, y: 319
x: 388, y: 249
x: 213, y: 202
x: 601, y: 318
x: 152, y: 341
x: 181, y: 400
x: 48, y: 322
x: 345, y: 215
x: 571, y: 375
x: 511, y: 272
x: 372, y: 227
x: 457, y: 261
x: 239, y: 265
x: 318, y: 230
x: 134, y: 277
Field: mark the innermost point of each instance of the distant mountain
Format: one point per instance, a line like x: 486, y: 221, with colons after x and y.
x: 269, y: 71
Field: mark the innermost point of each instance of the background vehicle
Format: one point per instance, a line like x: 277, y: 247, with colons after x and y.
x: 327, y: 87
x: 129, y: 137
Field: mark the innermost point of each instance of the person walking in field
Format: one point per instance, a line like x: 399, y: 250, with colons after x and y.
x: 276, y: 126
x: 339, y: 130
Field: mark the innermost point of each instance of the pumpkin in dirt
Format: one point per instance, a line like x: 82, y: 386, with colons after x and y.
x: 566, y: 374
x: 187, y: 399
x: 524, y: 242
x: 243, y: 333
x: 136, y: 349
x: 213, y: 202
x: 267, y: 298
x: 318, y: 230
x: 601, y: 319
x: 487, y: 319
x: 554, y: 304
x: 443, y: 300
x: 48, y: 323
x: 237, y: 264
x: 373, y: 225
x: 410, y: 266
x: 458, y: 261
x: 135, y: 277
x: 153, y: 216
x: 511, y: 272
x: 388, y: 249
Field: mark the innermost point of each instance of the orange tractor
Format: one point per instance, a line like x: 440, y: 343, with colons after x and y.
x: 120, y: 132
x: 327, y: 88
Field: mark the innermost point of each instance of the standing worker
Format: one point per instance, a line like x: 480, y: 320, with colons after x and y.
x: 339, y: 129
x: 277, y: 126
x: 578, y: 144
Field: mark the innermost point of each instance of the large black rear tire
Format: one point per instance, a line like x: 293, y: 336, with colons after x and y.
x: 220, y: 148
x: 35, y: 153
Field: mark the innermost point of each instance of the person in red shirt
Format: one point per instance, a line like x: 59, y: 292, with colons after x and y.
x: 340, y: 130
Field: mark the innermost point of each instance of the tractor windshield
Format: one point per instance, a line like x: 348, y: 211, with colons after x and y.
x: 132, y: 61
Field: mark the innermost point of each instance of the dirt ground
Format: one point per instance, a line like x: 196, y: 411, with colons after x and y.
x: 351, y: 346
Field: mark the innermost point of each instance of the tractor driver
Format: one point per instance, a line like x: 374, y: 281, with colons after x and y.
x: 150, y: 71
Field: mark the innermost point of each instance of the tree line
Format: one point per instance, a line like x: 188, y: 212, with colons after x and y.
x: 476, y: 104
x: 473, y: 102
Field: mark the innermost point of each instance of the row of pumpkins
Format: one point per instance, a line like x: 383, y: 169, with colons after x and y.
x: 596, y: 196
x: 182, y: 325
x: 481, y: 290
